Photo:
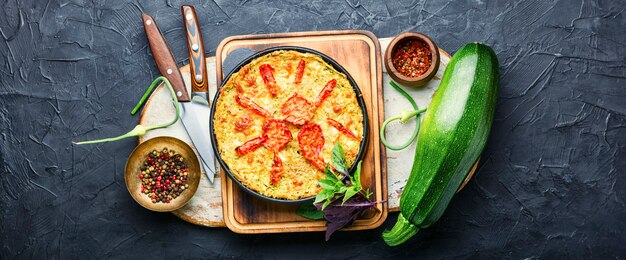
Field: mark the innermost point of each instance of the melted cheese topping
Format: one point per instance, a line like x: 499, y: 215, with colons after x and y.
x: 300, y: 177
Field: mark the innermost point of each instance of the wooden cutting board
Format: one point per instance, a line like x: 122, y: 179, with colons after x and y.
x: 359, y: 53
x: 205, y: 208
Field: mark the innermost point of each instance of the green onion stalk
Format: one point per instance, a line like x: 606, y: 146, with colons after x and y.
x: 404, y: 116
x: 140, y: 130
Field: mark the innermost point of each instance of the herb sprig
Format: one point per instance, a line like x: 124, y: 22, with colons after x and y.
x: 342, y: 199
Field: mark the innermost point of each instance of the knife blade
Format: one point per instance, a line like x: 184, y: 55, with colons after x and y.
x: 199, y: 87
x: 197, y: 127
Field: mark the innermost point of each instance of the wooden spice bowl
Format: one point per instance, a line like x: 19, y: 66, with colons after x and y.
x: 403, y: 79
x: 137, y: 158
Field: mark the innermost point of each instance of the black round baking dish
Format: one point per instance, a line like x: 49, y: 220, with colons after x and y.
x: 328, y: 60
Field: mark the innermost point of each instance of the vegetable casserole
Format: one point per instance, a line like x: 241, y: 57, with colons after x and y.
x: 277, y: 119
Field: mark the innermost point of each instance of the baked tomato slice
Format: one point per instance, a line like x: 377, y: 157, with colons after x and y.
x: 325, y: 92
x: 267, y: 73
x: 311, y: 141
x: 342, y: 128
x: 276, y: 172
x: 250, y: 145
x: 297, y: 109
x: 243, y: 123
x: 276, y: 134
x: 249, y: 104
x: 300, y: 71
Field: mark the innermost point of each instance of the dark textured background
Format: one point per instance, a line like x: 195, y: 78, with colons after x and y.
x: 551, y: 181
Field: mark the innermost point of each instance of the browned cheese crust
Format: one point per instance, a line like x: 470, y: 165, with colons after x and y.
x: 234, y: 124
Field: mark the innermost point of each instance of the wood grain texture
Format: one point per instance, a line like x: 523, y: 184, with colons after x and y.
x: 359, y: 53
x: 165, y: 61
x: 195, y: 48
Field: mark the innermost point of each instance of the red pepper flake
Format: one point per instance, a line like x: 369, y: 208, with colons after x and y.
x: 412, y: 58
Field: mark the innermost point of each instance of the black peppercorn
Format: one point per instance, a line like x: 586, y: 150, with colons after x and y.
x: 163, y: 175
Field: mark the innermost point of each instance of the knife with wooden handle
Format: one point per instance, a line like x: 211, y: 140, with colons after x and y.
x: 195, y: 46
x: 194, y: 108
x: 163, y: 57
x: 198, y: 125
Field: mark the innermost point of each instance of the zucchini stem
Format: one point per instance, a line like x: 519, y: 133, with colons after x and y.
x: 400, y: 233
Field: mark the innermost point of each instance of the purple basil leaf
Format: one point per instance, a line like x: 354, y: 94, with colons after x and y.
x: 338, y: 216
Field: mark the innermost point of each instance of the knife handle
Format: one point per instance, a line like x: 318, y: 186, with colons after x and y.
x: 164, y: 58
x: 195, y: 45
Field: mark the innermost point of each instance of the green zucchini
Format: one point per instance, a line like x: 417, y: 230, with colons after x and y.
x: 453, y: 134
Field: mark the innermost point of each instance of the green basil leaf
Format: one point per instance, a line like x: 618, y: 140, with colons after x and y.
x: 368, y: 193
x: 308, y: 210
x: 319, y: 198
x: 327, y: 184
x: 330, y: 175
x: 323, y: 195
x: 349, y: 193
x: 326, y: 203
x: 339, y: 159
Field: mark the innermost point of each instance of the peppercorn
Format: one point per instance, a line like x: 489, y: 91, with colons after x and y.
x: 163, y: 175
